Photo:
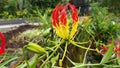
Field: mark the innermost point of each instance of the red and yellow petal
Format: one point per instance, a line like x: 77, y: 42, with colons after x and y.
x: 55, y: 15
x: 65, y: 31
x: 74, y: 29
x: 75, y: 20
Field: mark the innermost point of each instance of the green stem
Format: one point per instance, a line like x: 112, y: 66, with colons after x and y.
x: 111, y: 60
x: 25, y: 57
x: 86, y: 53
x: 90, y: 34
x: 87, y: 65
x: 82, y: 42
x: 39, y: 59
x: 54, y: 41
x: 65, y: 51
x: 1, y: 60
x: 81, y: 46
x: 51, y: 54
x: 79, y: 65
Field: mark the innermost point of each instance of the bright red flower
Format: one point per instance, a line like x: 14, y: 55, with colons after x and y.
x: 3, y: 44
x: 103, y: 49
x: 118, y: 55
x: 60, y: 21
x: 117, y: 48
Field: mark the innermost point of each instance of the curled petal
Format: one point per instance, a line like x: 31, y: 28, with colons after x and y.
x: 102, y: 53
x: 117, y: 49
x: 75, y: 20
x: 2, y: 48
x: 74, y: 17
x: 64, y: 23
x: 74, y: 12
x: 63, y: 18
x: 73, y: 30
x: 105, y: 48
x: 118, y: 55
x: 55, y: 15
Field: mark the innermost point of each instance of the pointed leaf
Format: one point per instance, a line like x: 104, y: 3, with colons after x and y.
x: 2, y: 65
x: 118, y: 60
x: 108, y: 55
x: 32, y: 62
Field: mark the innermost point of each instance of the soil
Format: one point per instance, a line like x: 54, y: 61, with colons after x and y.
x: 14, y: 33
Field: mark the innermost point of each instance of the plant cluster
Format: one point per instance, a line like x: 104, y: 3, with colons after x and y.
x: 24, y: 8
x: 74, y: 41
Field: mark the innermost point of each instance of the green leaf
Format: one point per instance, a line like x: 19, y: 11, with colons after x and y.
x: 32, y: 62
x: 23, y: 65
x: 108, y: 54
x: 46, y: 32
x: 2, y: 65
x: 81, y: 65
x: 118, y: 60
x: 54, y: 60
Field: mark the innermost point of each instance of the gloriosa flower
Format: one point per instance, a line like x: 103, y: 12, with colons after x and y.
x: 116, y: 49
x: 3, y: 43
x: 60, y: 21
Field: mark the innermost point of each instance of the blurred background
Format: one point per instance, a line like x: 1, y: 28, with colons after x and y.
x: 29, y: 8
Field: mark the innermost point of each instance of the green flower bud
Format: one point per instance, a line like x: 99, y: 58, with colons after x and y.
x: 35, y: 48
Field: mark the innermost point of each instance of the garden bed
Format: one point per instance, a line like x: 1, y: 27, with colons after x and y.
x: 14, y: 33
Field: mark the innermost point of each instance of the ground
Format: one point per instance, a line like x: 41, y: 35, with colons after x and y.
x: 14, y: 33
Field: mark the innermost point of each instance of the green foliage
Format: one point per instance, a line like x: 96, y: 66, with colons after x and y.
x: 8, y: 59
x: 103, y: 23
x: 100, y: 26
x: 113, y: 5
x: 108, y: 54
x: 32, y: 62
x: 45, y: 18
x: 98, y: 29
x: 24, y: 8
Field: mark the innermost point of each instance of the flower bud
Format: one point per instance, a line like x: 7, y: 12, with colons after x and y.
x: 60, y: 62
x: 35, y: 48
